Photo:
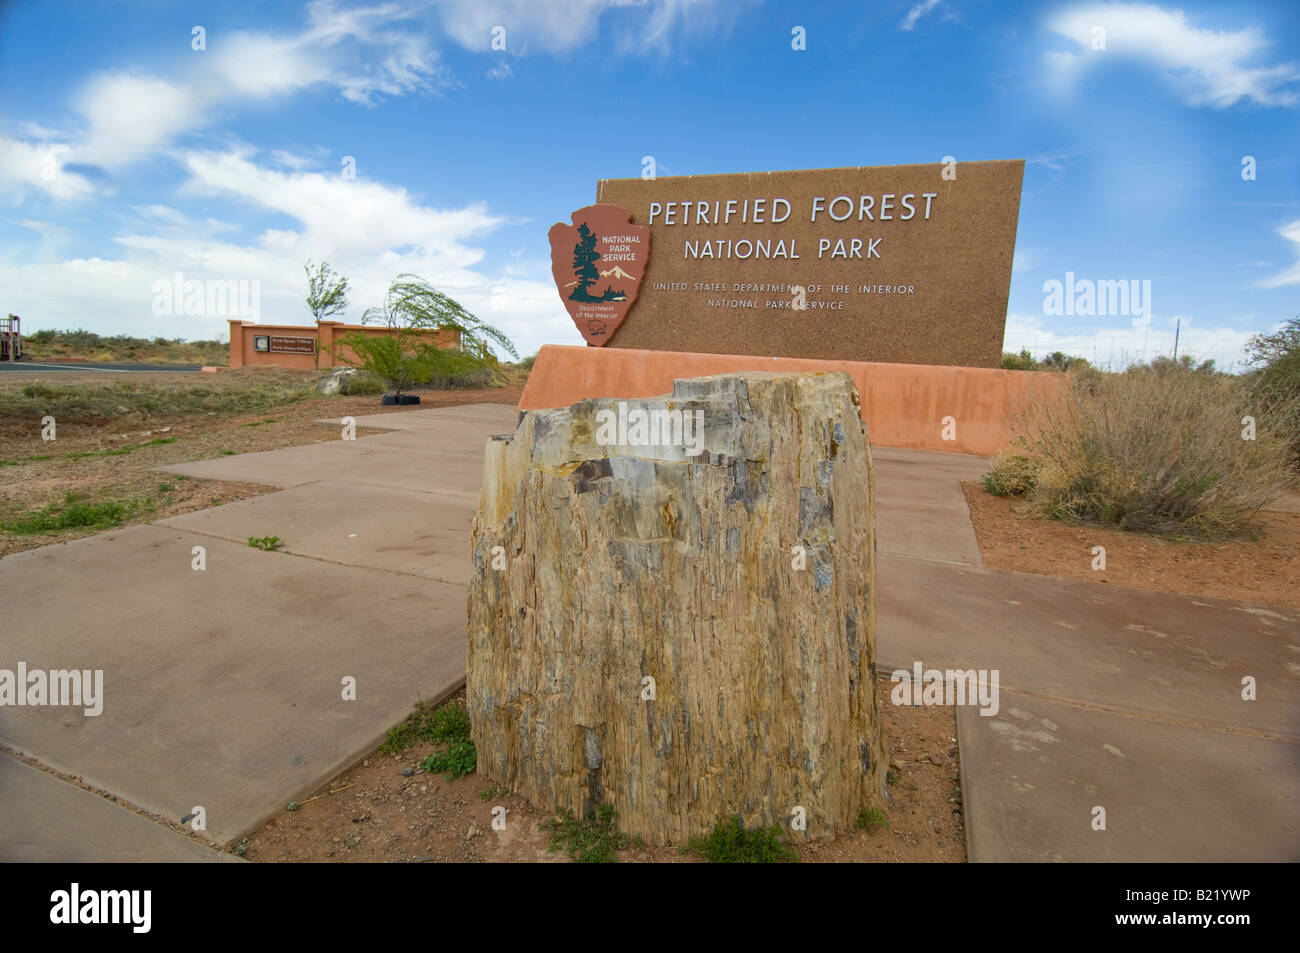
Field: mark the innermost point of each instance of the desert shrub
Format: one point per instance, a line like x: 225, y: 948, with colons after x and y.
x: 1011, y: 474
x: 1167, y: 365
x: 474, y: 378
x: 1024, y: 361
x: 88, y: 344
x: 1276, y: 377
x: 361, y: 384
x: 1060, y: 361
x: 80, y: 338
x: 1156, y: 450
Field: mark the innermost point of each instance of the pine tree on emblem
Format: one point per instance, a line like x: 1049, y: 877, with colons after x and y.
x: 585, y: 257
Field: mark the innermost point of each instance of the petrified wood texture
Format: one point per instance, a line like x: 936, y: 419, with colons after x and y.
x: 619, y: 563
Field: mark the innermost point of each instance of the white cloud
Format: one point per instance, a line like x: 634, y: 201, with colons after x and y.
x: 1210, y: 67
x: 916, y: 13
x: 257, y: 65
x: 162, y: 213
x: 129, y: 116
x: 365, y: 53
x: 34, y: 130
x: 26, y: 165
x: 1291, y: 276
x: 368, y: 231
x: 342, y: 217
x: 362, y: 51
x: 291, y: 160
x: 554, y: 27
x: 560, y: 26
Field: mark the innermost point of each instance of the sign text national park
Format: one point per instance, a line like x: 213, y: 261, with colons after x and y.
x: 905, y: 264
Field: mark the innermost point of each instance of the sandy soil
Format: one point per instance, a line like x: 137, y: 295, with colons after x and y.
x: 374, y: 813
x: 1264, y: 570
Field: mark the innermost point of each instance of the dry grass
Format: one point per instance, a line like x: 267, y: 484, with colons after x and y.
x: 139, y: 397
x: 1159, y: 452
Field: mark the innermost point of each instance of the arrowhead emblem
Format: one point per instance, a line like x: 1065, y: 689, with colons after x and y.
x: 598, y: 263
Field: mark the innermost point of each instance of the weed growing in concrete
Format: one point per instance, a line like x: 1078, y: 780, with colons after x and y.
x: 264, y: 543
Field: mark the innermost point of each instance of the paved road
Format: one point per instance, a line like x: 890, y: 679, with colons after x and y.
x: 29, y: 366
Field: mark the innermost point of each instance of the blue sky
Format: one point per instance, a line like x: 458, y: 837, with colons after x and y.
x: 126, y: 155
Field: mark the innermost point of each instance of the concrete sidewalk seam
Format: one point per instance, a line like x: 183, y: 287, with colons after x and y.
x: 945, y: 507
x: 90, y: 787
x: 896, y: 554
x: 319, y: 559
x: 1157, y: 719
x: 883, y: 669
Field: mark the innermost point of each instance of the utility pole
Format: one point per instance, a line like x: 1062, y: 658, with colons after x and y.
x: 1178, y: 327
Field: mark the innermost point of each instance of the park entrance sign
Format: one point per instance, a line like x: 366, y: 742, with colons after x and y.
x: 899, y: 264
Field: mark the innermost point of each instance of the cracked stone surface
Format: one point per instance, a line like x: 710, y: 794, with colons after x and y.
x: 733, y: 563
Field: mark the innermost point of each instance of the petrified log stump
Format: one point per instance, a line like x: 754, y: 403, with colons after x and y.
x: 733, y: 566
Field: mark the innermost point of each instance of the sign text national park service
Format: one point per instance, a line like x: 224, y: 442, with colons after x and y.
x: 903, y: 264
x: 598, y: 263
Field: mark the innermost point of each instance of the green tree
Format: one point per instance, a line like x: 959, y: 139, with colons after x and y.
x: 585, y: 257
x: 409, y: 356
x: 1060, y: 361
x: 1275, y: 375
x: 1277, y: 356
x: 327, y: 291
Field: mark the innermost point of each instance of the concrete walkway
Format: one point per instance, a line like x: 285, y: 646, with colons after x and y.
x: 224, y: 686
x: 1109, y: 697
x: 47, y: 820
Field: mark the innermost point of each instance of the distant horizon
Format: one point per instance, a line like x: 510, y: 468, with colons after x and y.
x: 225, y: 340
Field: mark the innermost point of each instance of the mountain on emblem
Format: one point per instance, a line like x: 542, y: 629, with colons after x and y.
x: 588, y: 260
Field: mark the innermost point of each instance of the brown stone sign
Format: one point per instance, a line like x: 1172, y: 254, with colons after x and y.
x: 289, y: 345
x: 902, y: 264
x: 599, y: 262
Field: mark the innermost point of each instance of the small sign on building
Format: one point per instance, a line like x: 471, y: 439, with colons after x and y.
x: 292, y: 345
